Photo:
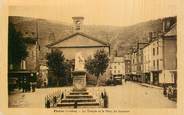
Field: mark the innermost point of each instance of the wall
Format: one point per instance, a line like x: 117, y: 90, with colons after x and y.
x: 79, y: 43
x: 70, y: 53
x: 157, y: 45
x: 118, y: 68
x: 170, y: 53
x: 134, y: 63
x: 32, y: 56
x: 147, y: 59
x: 139, y: 61
x: 166, y: 77
x: 127, y: 66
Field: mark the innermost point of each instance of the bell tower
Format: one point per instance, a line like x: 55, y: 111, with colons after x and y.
x: 78, y: 22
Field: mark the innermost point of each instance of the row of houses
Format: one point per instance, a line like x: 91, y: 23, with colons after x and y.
x: 155, y: 61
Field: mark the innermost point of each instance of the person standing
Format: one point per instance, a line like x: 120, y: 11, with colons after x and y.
x: 24, y: 85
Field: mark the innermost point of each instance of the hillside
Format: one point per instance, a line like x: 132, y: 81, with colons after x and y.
x: 120, y: 38
x: 128, y: 36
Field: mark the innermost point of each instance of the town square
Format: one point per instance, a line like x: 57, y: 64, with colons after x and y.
x: 78, y: 64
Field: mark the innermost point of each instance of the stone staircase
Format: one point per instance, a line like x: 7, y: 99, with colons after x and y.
x: 78, y: 99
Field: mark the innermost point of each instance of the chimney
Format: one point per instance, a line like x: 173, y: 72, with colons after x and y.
x: 150, y: 36
x: 78, y: 21
x: 167, y: 23
x: 137, y: 45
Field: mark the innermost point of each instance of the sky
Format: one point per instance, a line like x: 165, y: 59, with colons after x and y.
x: 95, y: 12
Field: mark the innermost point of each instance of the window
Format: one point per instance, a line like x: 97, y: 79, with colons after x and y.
x: 118, y: 71
x: 153, y: 51
x: 114, y: 67
x: 114, y: 71
x: 145, y: 58
x: 157, y: 50
x: 157, y: 64
x: 154, y: 64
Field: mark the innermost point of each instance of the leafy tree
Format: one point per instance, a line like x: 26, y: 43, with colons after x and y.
x: 17, y: 48
x: 60, y: 67
x: 98, y: 64
x: 68, y: 66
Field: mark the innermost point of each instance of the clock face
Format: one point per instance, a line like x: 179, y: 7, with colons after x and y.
x: 77, y: 22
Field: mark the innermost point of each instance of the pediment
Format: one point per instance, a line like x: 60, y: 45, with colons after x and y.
x: 78, y: 40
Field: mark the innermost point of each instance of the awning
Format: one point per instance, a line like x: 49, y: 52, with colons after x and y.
x: 23, y: 74
x: 156, y: 71
x: 22, y: 71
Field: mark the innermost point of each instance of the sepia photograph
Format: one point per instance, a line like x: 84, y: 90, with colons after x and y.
x: 93, y: 54
x: 82, y: 55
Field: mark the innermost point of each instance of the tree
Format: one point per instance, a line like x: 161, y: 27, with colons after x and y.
x: 98, y: 64
x: 17, y: 48
x: 57, y: 63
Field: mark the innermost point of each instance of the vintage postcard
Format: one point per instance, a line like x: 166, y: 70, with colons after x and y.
x: 91, y: 57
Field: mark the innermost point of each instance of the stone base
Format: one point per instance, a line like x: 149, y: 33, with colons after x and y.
x: 80, y: 99
x: 79, y: 80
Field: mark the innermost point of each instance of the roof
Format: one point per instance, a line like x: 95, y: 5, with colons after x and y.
x: 117, y: 59
x: 141, y: 45
x: 78, y: 17
x: 172, y: 31
x: 78, y: 33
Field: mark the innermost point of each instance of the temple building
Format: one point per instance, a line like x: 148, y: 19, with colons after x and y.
x: 79, y: 42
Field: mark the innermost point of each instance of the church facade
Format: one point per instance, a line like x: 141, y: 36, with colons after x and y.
x: 79, y: 42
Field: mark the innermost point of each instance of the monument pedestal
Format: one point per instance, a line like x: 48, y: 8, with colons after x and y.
x: 79, y: 80
x: 79, y: 97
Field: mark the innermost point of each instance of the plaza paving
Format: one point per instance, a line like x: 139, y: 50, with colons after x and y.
x: 129, y: 95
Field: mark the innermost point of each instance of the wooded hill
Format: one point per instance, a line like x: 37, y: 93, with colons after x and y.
x: 120, y: 38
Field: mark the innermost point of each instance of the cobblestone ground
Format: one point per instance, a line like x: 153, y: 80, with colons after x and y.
x: 129, y: 95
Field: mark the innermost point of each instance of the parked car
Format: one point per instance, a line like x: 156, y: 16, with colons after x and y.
x: 110, y: 82
x: 12, y: 83
x: 115, y: 80
x: 170, y: 91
